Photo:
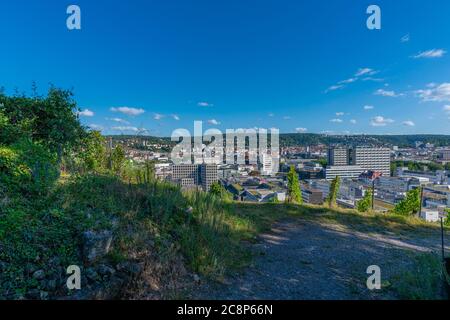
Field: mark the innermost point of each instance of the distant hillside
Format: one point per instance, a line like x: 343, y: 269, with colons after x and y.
x: 293, y: 139
x: 302, y: 139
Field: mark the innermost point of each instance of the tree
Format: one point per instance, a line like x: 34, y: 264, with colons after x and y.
x: 410, y: 205
x: 117, y: 159
x: 447, y: 220
x: 93, y: 152
x: 294, y: 192
x: 366, y: 202
x: 218, y: 190
x: 51, y: 121
x: 334, y: 190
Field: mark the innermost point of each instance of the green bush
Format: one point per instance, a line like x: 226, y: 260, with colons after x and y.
x: 27, y: 168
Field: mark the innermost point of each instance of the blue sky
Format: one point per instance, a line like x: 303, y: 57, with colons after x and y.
x: 305, y: 66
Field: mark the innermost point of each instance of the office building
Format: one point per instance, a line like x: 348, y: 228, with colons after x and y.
x: 332, y: 172
x: 366, y: 158
x: 194, y: 175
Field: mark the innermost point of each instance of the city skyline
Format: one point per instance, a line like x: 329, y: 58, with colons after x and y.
x: 300, y: 67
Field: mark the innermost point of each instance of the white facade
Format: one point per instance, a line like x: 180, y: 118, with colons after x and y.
x: 266, y: 163
x: 332, y: 172
x: 430, y: 215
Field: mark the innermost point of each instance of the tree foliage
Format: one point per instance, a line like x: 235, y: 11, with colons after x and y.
x: 365, y: 203
x: 410, y: 205
x: 334, y: 190
x: 294, y: 192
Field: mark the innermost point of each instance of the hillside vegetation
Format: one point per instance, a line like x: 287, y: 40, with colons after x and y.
x: 66, y: 200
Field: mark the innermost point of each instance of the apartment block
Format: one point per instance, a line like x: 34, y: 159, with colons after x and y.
x: 194, y: 175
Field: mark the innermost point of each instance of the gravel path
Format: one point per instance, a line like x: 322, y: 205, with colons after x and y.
x: 305, y: 260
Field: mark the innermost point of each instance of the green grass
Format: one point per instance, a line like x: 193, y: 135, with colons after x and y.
x: 424, y: 282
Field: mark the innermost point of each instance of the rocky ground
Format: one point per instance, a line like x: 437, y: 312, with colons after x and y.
x: 307, y: 260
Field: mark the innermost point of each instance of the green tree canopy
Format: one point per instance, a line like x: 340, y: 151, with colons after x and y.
x: 294, y: 192
x: 410, y: 205
x: 334, y: 190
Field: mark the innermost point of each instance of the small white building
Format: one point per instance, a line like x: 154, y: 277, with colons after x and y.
x: 430, y: 215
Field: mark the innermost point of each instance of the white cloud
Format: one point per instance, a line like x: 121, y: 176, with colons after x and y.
x: 176, y: 117
x: 438, y: 93
x: 213, y: 122
x: 157, y: 116
x: 125, y: 128
x: 95, y: 127
x: 205, y: 104
x: 271, y: 114
x: 365, y: 71
x: 373, y: 79
x: 348, y: 81
x: 367, y: 107
x: 333, y: 88
x: 446, y: 109
x: 380, y: 121
x: 434, y: 53
x: 409, y: 123
x: 119, y: 120
x: 336, y: 120
x: 353, y: 121
x: 301, y: 130
x: 339, y: 114
x: 128, y: 111
x: 405, y: 38
x: 387, y: 93
x: 86, y: 113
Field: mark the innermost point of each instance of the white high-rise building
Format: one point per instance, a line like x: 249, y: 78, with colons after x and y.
x: 266, y: 164
x: 356, y: 158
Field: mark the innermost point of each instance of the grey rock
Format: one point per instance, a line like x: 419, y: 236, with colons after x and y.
x: 39, y: 275
x: 33, y: 294
x: 131, y: 268
x: 96, y: 245
x: 92, y: 275
x: 105, y: 270
x: 43, y: 295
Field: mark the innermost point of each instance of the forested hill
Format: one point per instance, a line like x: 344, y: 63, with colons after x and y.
x: 295, y: 139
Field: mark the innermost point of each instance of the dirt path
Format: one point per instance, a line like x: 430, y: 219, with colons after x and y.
x: 306, y: 260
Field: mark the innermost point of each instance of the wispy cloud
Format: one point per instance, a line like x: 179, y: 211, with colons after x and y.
x: 128, y: 111
x: 125, y: 128
x: 380, y: 121
x: 86, y: 113
x: 405, y: 38
x: 434, y: 53
x: 287, y: 118
x: 205, y: 104
x: 175, y: 117
x: 365, y: 72
x: 95, y: 127
x: 301, y: 130
x: 339, y: 114
x: 446, y: 109
x: 119, y: 120
x: 437, y: 93
x: 387, y: 93
x: 408, y: 123
x: 368, y: 107
x: 336, y: 120
x: 350, y: 80
x: 353, y: 121
x: 157, y: 116
x: 334, y: 88
x: 213, y: 122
